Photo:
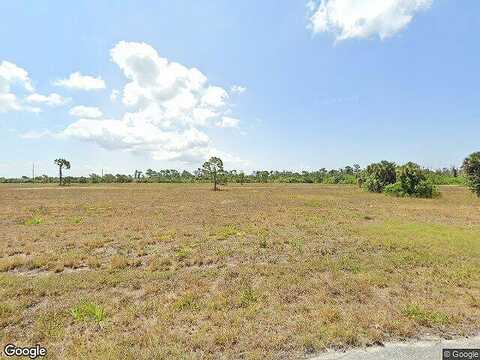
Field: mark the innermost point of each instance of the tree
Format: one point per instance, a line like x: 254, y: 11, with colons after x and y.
x: 62, y: 163
x: 379, y: 175
x: 454, y: 171
x: 95, y: 179
x: 409, y: 176
x: 214, y: 169
x: 108, y: 178
x: 356, y: 168
x: 412, y: 182
x: 242, y: 178
x: 471, y: 168
x: 150, y: 173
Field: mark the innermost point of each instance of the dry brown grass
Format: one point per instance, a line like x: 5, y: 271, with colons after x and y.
x: 260, y: 271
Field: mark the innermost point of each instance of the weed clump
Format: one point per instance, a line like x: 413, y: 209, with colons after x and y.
x: 34, y: 220
x: 425, y: 317
x: 224, y: 232
x: 88, y: 311
x: 188, y: 301
x: 248, y: 297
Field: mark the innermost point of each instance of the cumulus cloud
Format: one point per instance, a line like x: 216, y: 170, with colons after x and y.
x: 49, y: 100
x: 77, y: 81
x: 228, y: 122
x: 168, y: 105
x: 86, y: 112
x: 11, y: 74
x: 348, y: 19
x: 238, y: 89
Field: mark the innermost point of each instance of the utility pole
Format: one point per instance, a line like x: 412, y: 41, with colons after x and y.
x: 33, y: 172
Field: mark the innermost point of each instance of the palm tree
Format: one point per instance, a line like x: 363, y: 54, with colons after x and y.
x: 62, y: 163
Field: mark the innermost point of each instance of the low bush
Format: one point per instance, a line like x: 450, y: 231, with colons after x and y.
x: 394, y: 190
x: 411, y: 182
x: 379, y: 175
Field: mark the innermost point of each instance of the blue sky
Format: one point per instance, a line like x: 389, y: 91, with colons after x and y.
x: 263, y: 84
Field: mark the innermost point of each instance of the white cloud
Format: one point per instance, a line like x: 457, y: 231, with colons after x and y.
x: 11, y: 74
x: 9, y: 102
x: 349, y: 19
x: 36, y: 134
x: 114, y: 95
x: 86, y: 112
x: 169, y: 104
x: 238, y: 89
x: 49, y: 100
x: 228, y: 122
x: 77, y: 81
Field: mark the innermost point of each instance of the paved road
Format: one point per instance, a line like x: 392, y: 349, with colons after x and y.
x: 421, y: 350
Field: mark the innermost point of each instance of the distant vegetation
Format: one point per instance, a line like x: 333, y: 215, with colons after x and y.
x: 347, y: 175
x: 408, y: 180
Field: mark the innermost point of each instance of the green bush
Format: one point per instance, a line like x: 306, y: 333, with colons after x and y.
x: 411, y: 181
x: 471, y: 168
x: 394, y: 190
x: 425, y: 189
x: 410, y: 175
x: 379, y: 175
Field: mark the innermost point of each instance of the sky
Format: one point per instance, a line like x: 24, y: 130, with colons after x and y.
x: 292, y: 84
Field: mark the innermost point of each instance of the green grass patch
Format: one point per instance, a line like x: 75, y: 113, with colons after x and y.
x: 34, y: 220
x: 77, y: 220
x: 423, y: 244
x: 425, y: 317
x: 187, y: 301
x: 167, y: 236
x: 298, y: 245
x: 224, y: 232
x: 248, y: 297
x: 5, y: 309
x: 349, y: 264
x: 88, y: 311
x: 183, y: 252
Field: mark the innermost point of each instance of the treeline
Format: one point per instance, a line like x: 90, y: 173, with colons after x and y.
x: 346, y: 175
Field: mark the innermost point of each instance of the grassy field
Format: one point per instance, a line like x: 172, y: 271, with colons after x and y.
x: 150, y: 271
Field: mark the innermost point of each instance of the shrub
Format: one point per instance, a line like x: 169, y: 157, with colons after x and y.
x: 425, y: 189
x: 394, y: 190
x: 410, y: 175
x: 411, y: 181
x: 471, y: 168
x: 379, y: 175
